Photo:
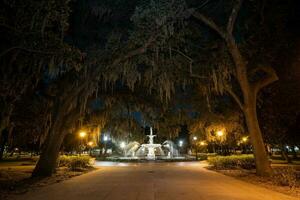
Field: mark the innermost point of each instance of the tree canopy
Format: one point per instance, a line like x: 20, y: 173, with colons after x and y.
x: 102, y: 63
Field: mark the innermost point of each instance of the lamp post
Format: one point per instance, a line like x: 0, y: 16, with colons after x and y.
x: 244, y: 142
x: 196, y: 146
x: 82, y: 135
x: 220, y: 134
x: 202, y: 144
x: 180, y: 144
x: 90, y: 144
x: 105, y: 139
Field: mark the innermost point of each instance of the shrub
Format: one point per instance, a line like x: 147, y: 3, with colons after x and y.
x: 286, y: 176
x: 232, y: 162
x: 202, y: 156
x: 64, y: 161
x: 75, y: 163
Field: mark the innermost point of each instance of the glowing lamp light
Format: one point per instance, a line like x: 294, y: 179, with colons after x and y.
x: 82, y: 134
x: 122, y: 145
x: 202, y: 143
x: 180, y: 143
x: 90, y: 143
x: 195, y: 138
x: 245, y: 139
x: 105, y: 138
x: 220, y: 133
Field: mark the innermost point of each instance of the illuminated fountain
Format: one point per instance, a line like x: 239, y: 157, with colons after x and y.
x: 171, y: 149
x: 166, y: 151
x: 150, y: 149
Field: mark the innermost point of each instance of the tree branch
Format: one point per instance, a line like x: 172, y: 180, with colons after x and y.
x: 25, y: 49
x: 10, y: 28
x: 140, y: 50
x: 182, y: 54
x: 233, y: 16
x: 235, y: 97
x: 271, y: 77
x: 209, y: 22
x: 192, y: 75
x: 137, y: 51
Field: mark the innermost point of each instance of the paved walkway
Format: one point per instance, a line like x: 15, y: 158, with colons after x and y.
x: 152, y: 181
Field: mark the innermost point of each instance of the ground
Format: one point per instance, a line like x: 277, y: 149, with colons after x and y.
x: 15, y: 176
x: 152, y: 181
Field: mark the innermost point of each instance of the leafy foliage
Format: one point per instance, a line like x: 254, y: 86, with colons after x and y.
x: 75, y: 162
x: 232, y: 162
x: 286, y: 177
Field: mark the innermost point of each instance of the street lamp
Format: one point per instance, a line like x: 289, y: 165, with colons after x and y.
x: 203, y: 144
x: 105, y: 138
x: 180, y: 143
x: 220, y: 133
x: 244, y: 141
x: 90, y: 144
x: 196, y: 146
x: 82, y: 134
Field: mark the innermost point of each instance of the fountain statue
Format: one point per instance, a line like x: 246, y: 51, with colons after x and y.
x: 172, y: 148
x: 150, y: 149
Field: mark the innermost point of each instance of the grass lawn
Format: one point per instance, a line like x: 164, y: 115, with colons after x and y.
x: 15, y: 176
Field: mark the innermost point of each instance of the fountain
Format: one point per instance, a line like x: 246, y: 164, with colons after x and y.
x: 131, y: 148
x: 151, y: 151
x: 150, y: 148
x: 172, y: 149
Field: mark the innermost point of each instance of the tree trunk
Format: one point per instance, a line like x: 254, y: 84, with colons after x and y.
x: 262, y: 163
x: 248, y: 106
x: 48, y: 158
x: 3, y: 141
x: 247, y: 100
x: 64, y: 119
x: 5, y: 118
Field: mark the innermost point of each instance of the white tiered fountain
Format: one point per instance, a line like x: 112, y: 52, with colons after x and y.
x: 150, y: 148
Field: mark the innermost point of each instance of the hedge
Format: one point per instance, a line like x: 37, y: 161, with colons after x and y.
x: 75, y: 162
x: 232, y: 162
